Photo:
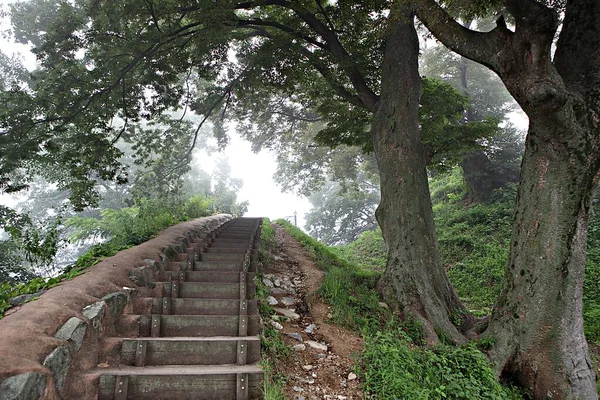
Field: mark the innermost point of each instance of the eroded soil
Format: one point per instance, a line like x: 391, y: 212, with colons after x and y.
x: 313, y: 372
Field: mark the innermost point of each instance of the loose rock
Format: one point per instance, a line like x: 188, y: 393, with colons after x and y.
x: 276, y: 325
x: 316, y: 345
x: 288, y: 301
x: 296, y: 336
x: 310, y: 329
x: 268, y: 283
x: 288, y: 313
x: 299, y: 347
x: 352, y: 376
x: 272, y: 301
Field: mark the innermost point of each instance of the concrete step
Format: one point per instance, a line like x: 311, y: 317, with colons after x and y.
x: 180, y: 382
x: 210, y: 276
x: 216, y: 350
x: 220, y: 257
x: 208, y: 290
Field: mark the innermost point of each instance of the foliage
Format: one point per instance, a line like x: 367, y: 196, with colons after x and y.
x: 38, y: 241
x: 339, y: 215
x: 122, y: 229
x: 591, y: 289
x: 367, y: 252
x: 393, y: 368
x: 12, y: 268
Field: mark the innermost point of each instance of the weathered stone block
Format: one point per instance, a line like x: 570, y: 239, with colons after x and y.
x: 18, y: 300
x: 73, y: 331
x: 58, y: 363
x: 28, y: 386
x: 116, y: 303
x: 94, y: 312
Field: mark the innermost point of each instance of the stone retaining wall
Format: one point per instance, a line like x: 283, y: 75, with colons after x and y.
x: 47, y: 345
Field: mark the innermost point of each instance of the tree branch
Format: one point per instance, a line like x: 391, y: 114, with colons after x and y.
x: 335, y: 85
x: 284, y: 28
x: 477, y: 46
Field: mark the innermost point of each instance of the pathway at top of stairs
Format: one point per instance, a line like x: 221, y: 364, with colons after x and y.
x: 198, y: 338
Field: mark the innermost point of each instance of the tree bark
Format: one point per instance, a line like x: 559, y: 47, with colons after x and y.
x: 537, y: 321
x: 414, y: 281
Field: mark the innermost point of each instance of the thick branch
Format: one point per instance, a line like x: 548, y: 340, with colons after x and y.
x: 259, y: 22
x: 578, y: 49
x: 335, y: 85
x: 477, y: 46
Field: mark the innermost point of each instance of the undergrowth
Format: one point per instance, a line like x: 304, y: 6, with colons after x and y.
x: 122, y: 229
x: 393, y: 364
x: 274, y: 350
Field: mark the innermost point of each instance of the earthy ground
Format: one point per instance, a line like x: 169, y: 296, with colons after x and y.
x: 321, y: 365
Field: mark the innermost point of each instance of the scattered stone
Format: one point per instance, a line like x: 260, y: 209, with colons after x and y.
x: 288, y: 301
x: 277, y: 258
x: 288, y: 313
x: 277, y: 282
x: 72, y: 331
x: 272, y: 301
x: 310, y: 329
x: 299, y: 347
x: 307, y: 367
x: 296, y: 336
x: 58, y: 362
x: 383, y: 305
x: 298, y: 389
x: 320, y: 356
x: 276, y: 325
x: 30, y: 385
x: 275, y: 290
x: 24, y: 298
x: 316, y: 345
x: 268, y: 282
x: 352, y: 376
x: 340, y: 397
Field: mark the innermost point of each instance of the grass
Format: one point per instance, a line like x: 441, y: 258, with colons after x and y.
x: 393, y: 364
x: 274, y: 350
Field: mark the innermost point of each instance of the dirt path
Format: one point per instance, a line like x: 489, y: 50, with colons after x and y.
x: 321, y: 366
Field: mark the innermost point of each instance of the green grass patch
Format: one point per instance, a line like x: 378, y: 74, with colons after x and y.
x: 274, y: 350
x: 392, y: 367
x: 393, y: 364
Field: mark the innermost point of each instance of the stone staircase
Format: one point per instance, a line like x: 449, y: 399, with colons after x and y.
x: 198, y: 337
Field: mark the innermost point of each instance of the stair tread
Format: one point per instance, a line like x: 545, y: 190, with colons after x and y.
x: 180, y: 370
x: 196, y: 338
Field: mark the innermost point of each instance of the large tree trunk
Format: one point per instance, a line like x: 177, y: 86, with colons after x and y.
x: 414, y: 281
x: 537, y: 321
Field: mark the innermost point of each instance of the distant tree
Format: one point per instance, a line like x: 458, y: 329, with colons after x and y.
x: 341, y: 214
x: 497, y: 162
